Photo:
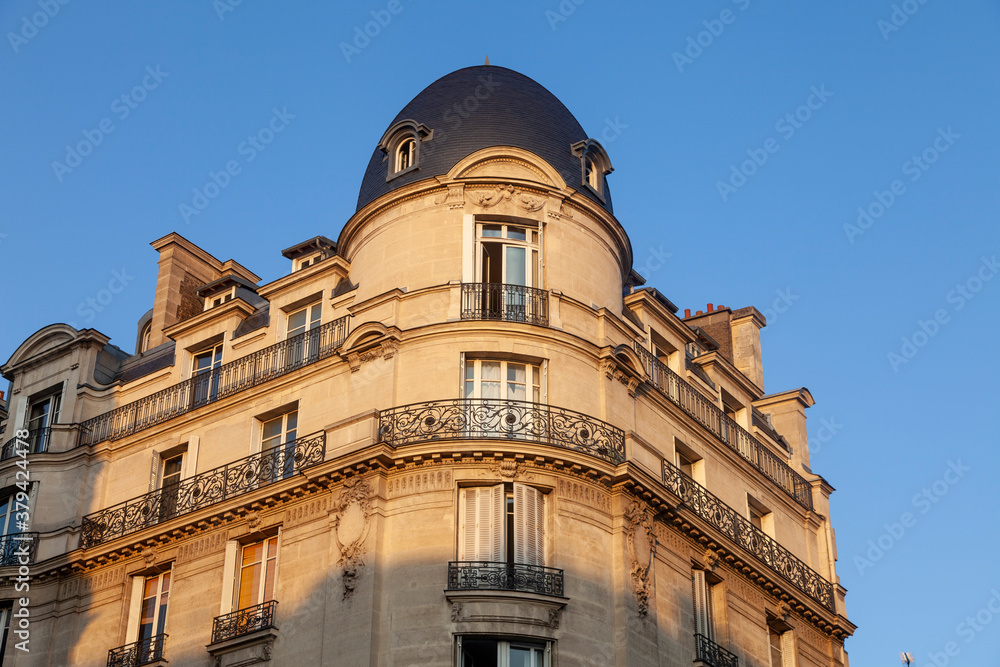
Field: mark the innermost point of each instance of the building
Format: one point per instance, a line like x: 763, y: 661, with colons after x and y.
x: 463, y: 433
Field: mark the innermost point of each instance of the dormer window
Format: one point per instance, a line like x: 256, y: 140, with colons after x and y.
x: 594, y: 166
x: 219, y: 299
x: 401, y: 145
x: 309, y: 253
x: 306, y: 262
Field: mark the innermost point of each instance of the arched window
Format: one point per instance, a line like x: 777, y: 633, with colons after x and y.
x: 405, y: 154
x: 401, y: 147
x: 594, y: 165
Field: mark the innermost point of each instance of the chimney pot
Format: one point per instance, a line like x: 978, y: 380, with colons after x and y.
x: 699, y: 313
x: 687, y: 312
x: 710, y: 308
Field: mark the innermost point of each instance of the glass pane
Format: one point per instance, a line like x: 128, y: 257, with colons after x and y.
x: 315, y: 315
x: 490, y: 390
x: 515, y: 373
x: 515, y: 266
x: 470, y: 371
x: 296, y: 323
x: 269, y: 581
x: 492, y: 230
x: 249, y: 586
x: 252, y: 553
x: 490, y: 370
x: 517, y: 233
x: 520, y: 657
x: 469, y: 388
x: 292, y: 421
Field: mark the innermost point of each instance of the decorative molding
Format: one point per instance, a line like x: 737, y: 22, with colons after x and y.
x: 203, y: 546
x: 630, y: 382
x: 386, y: 350
x: 304, y: 512
x: 585, y: 494
x: 87, y: 585
x: 254, y: 521
x: 350, y: 524
x: 554, y: 616
x: 454, y: 197
x: 505, y: 468
x: 710, y: 560
x: 456, y: 612
x: 641, y: 541
x: 419, y: 482
x: 608, y: 367
x: 502, y: 193
x: 149, y: 556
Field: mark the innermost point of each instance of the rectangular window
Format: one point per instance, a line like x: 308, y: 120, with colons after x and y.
x: 304, y: 346
x: 42, y: 413
x: 781, y: 643
x: 171, y: 468
x: 5, y: 614
x: 507, y: 380
x: 502, y: 523
x: 205, y: 374
x: 153, y: 615
x: 704, y: 612
x: 490, y: 652
x: 278, y: 445
x: 219, y: 299
x: 760, y: 515
x: 258, y: 569
x: 507, y: 262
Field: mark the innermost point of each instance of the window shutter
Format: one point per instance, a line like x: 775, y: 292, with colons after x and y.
x: 480, y: 519
x: 788, y: 649
x: 154, y: 470
x: 529, y: 525
x: 134, y: 609
x: 702, y: 605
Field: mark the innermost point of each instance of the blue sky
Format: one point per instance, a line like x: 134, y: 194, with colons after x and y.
x: 902, y: 124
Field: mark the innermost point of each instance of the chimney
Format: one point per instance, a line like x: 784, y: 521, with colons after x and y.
x: 687, y: 312
x: 710, y: 308
x: 745, y: 325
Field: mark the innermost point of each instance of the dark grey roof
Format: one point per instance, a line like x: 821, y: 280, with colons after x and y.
x: 509, y: 110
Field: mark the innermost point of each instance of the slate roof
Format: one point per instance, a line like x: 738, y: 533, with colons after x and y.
x: 509, y: 110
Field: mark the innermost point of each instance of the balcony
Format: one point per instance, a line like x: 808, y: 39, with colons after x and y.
x: 143, y: 652
x: 249, y: 371
x: 36, y: 442
x: 17, y: 546
x: 500, y: 301
x: 496, y: 419
x: 725, y: 429
x: 208, y: 488
x: 243, y: 622
x: 710, y: 654
x: 491, y: 576
x: 752, y: 539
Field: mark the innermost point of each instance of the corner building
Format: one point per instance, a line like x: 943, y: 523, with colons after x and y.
x: 462, y: 434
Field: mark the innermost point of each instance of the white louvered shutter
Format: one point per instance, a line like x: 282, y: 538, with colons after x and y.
x: 154, y: 471
x: 788, y: 650
x: 529, y: 526
x: 702, y: 605
x: 480, y: 522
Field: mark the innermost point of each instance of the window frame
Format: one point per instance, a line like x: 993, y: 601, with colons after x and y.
x: 504, y: 644
x: 262, y: 596
x: 502, y: 513
x: 531, y: 244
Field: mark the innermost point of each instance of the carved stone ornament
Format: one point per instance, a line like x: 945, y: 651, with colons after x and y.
x: 454, y: 197
x: 254, y: 520
x: 350, y: 523
x: 554, y: 615
x: 630, y: 382
x: 505, y: 468
x: 608, y: 367
x: 386, y: 350
x: 710, y: 559
x: 149, y: 556
x: 456, y: 612
x: 641, y: 541
x: 784, y: 611
x: 502, y: 193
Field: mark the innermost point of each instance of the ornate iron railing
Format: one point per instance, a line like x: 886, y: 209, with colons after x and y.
x: 712, y: 654
x: 465, y: 418
x: 243, y: 621
x: 137, y: 653
x: 490, y: 576
x: 723, y: 427
x: 500, y: 301
x: 752, y: 539
x: 36, y: 442
x: 226, y: 380
x: 17, y: 546
x: 207, y: 488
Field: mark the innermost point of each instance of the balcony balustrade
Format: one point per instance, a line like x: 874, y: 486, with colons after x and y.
x: 475, y: 418
x: 725, y: 429
x: 137, y: 653
x: 492, y: 576
x: 18, y: 549
x: 207, y: 488
x: 36, y: 443
x: 243, y: 622
x: 249, y: 371
x: 752, y: 539
x: 501, y: 301
x: 713, y: 655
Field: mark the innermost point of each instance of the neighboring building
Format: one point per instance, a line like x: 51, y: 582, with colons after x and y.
x: 462, y: 434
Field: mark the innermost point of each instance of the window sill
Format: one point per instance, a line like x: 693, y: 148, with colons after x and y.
x: 505, y: 612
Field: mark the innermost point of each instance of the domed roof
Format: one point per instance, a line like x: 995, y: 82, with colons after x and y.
x: 479, y: 107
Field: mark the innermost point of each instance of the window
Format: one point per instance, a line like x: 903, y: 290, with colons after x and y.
x: 304, y: 346
x: 405, y: 154
x: 489, y: 652
x: 760, y: 516
x: 145, y: 337
x: 594, y: 166
x: 502, y: 524
x: 219, y: 299
x: 689, y: 461
x: 8, y: 515
x: 170, y: 480
x: 278, y: 444
x: 502, y: 380
x: 591, y: 173
x: 507, y: 274
x: 258, y: 569
x: 153, y: 612
x: 5, y: 614
x: 205, y: 373
x: 704, y: 605
x: 781, y: 643
x: 42, y: 413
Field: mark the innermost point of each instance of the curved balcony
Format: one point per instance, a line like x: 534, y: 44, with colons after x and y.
x: 497, y: 419
x: 202, y: 490
x: 18, y: 549
x: 36, y: 442
x: 743, y: 533
x: 501, y: 301
x: 491, y: 576
x: 236, y: 376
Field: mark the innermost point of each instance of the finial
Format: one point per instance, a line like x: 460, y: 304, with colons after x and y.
x: 487, y: 60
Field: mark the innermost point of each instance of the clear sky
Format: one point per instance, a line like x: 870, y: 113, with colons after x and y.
x: 745, y: 138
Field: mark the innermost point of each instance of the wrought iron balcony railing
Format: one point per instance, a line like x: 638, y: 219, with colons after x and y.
x: 752, y: 539
x: 137, y: 653
x: 207, y: 488
x: 501, y: 301
x: 712, y: 654
x: 249, y: 371
x: 36, y: 442
x: 243, y: 621
x: 18, y: 549
x: 482, y: 418
x: 723, y: 427
x: 490, y: 576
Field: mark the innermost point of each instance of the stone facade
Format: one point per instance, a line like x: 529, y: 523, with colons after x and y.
x: 368, y: 507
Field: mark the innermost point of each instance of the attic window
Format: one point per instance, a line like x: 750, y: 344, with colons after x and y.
x: 401, y: 146
x: 306, y: 262
x: 219, y: 299
x: 594, y: 166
